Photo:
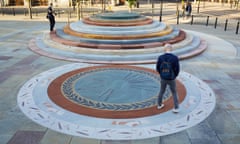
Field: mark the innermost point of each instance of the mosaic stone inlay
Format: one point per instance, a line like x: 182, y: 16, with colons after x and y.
x: 34, y: 102
x: 113, y: 89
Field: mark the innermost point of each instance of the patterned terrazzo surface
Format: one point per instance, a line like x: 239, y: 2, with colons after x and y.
x: 111, y: 91
x: 34, y: 102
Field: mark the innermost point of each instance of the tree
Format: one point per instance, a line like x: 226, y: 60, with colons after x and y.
x: 79, y: 9
x: 30, y: 8
x: 131, y: 3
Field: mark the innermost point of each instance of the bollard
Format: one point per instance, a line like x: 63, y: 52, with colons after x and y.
x: 215, y: 25
x: 161, y: 8
x: 36, y: 12
x: 226, y: 22
x: 160, y: 18
x: 25, y: 12
x: 59, y: 13
x: 2, y: 10
x: 137, y: 4
x: 152, y: 8
x: 13, y: 11
x: 192, y: 20
x: 207, y: 20
x: 177, y: 17
x: 237, y: 27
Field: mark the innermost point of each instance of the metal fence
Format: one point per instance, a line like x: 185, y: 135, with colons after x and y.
x: 170, y: 14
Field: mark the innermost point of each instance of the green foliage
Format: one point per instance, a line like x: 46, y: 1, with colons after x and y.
x: 131, y: 2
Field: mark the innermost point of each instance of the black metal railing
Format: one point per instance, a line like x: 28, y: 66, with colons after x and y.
x: 224, y: 22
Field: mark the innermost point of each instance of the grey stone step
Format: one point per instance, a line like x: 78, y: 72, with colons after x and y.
x: 60, y: 33
x: 60, y: 51
x: 108, y: 30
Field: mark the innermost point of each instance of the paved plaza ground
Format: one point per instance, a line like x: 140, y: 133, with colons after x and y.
x: 218, y: 67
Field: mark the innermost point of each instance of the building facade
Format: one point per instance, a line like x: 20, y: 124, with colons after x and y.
x: 63, y: 3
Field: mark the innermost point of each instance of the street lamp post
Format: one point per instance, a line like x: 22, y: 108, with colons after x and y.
x: 177, y: 13
x: 237, y: 4
x: 161, y: 7
x: 103, y: 5
x: 152, y: 7
x: 30, y: 8
x: 81, y: 10
x: 78, y: 10
x: 198, y: 6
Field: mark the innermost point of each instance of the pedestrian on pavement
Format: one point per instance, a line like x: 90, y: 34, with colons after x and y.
x: 51, y: 17
x: 183, y: 9
x: 189, y: 9
x: 168, y: 68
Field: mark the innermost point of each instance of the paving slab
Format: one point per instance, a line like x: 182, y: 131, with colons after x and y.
x: 229, y: 138
x: 178, y: 138
x: 52, y: 137
x: 80, y: 140
x: 203, y: 133
x: 26, y: 137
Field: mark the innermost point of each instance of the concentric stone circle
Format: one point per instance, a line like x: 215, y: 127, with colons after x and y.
x: 111, y: 91
x: 33, y: 100
x: 117, y: 16
x: 111, y: 79
x: 117, y: 38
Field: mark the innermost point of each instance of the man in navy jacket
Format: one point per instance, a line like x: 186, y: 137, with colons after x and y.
x: 173, y: 59
x: 51, y: 17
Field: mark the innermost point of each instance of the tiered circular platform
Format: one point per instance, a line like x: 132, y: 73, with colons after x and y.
x: 119, y: 37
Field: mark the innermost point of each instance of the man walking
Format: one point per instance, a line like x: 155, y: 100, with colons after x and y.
x: 189, y: 9
x: 168, y: 68
x: 50, y: 16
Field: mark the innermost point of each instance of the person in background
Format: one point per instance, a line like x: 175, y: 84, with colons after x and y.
x: 183, y: 8
x: 51, y: 17
x: 168, y: 68
x: 189, y: 9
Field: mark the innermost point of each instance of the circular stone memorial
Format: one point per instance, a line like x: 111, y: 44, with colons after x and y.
x: 116, y: 102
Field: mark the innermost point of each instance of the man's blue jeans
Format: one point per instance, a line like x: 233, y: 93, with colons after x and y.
x: 172, y: 85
